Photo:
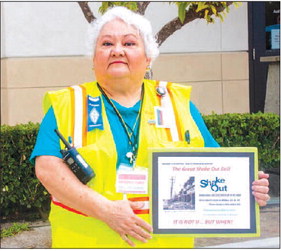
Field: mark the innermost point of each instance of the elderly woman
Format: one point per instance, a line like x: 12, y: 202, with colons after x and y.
x: 112, y: 123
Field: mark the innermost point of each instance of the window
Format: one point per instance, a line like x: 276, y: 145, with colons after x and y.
x: 272, y: 23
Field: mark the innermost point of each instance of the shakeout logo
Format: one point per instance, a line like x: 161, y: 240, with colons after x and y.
x: 217, y: 185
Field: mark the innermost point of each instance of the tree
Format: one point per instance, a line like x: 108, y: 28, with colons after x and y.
x: 187, y: 12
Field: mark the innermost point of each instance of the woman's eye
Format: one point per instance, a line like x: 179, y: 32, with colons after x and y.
x: 130, y: 43
x: 106, y: 43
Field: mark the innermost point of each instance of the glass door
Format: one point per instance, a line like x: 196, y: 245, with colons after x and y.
x: 264, y: 48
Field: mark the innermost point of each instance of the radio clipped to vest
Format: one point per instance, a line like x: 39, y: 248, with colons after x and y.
x: 75, y: 161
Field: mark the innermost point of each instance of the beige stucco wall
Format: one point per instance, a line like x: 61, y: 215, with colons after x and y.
x: 220, y: 81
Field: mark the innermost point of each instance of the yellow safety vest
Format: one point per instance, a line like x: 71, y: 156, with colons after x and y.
x: 70, y: 229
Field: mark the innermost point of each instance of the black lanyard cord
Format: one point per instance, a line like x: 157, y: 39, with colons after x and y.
x: 128, y: 130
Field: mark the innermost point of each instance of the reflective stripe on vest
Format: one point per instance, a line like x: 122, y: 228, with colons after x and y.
x: 145, y: 208
x: 78, y: 94
x: 56, y: 202
x: 78, y: 113
x: 167, y: 106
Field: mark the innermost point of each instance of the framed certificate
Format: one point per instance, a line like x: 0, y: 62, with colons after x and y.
x: 204, y: 191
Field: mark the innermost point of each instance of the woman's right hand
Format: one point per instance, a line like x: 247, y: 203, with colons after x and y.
x: 121, y: 218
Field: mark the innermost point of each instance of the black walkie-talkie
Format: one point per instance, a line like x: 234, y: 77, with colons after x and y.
x: 75, y: 161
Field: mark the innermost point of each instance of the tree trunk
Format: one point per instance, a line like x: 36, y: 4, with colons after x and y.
x: 142, y: 7
x: 87, y: 11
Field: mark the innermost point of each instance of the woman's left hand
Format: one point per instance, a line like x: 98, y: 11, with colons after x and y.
x: 260, y: 189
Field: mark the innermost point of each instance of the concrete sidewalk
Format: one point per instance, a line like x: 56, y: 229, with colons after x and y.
x: 259, y: 243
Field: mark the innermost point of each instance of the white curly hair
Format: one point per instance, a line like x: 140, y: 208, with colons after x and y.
x: 131, y: 18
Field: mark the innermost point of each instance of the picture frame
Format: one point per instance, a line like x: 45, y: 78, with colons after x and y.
x: 204, y: 191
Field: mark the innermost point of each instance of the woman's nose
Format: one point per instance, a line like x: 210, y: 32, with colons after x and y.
x: 117, y: 50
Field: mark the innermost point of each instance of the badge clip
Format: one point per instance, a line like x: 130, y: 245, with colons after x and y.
x: 160, y: 91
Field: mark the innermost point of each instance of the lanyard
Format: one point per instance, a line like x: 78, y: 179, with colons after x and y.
x: 133, y: 139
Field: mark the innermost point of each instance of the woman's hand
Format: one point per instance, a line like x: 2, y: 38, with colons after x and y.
x: 260, y: 189
x: 121, y: 218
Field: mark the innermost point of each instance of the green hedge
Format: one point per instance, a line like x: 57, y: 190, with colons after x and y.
x: 261, y: 130
x: 21, y: 192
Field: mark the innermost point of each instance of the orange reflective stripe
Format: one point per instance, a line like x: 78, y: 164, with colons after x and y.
x: 145, y: 209
x: 169, y: 134
x: 139, y: 199
x: 57, y: 203
x: 138, y: 211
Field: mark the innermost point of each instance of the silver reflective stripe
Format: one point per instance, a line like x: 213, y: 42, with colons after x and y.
x: 78, y: 116
x: 167, y: 106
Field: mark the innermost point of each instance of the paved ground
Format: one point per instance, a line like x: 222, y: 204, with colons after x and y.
x: 39, y: 235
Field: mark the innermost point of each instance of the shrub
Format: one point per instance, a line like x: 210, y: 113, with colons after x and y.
x: 21, y: 192
x: 261, y: 130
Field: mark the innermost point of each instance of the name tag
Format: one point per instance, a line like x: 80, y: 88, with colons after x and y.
x: 161, y: 117
x: 132, y: 181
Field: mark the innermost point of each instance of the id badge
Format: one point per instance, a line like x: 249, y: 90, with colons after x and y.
x: 161, y: 117
x: 132, y: 181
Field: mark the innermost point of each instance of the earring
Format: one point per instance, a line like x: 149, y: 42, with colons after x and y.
x: 148, y: 73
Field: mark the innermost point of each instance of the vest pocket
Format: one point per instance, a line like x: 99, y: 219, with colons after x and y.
x: 103, y: 162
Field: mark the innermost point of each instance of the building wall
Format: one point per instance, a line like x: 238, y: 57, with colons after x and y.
x: 43, y: 48
x: 220, y: 81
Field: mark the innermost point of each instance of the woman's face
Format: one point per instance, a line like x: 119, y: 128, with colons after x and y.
x: 119, y: 53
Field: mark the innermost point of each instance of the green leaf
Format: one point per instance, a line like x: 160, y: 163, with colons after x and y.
x: 182, y: 11
x: 206, y: 12
x: 104, y: 6
x: 214, y: 10
x: 201, y: 6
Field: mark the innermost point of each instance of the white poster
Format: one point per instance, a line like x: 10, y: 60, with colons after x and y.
x: 203, y: 192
